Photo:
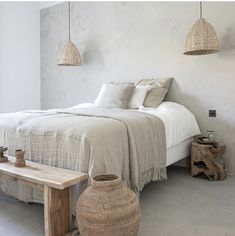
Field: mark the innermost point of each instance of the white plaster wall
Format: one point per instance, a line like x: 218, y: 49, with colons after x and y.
x: 130, y: 41
x: 19, y: 56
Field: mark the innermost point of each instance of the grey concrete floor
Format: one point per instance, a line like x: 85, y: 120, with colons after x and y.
x: 180, y: 206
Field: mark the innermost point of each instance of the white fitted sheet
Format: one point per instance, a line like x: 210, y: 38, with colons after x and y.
x: 180, y: 123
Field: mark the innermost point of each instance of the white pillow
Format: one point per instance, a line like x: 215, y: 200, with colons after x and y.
x: 114, y: 95
x: 137, y: 97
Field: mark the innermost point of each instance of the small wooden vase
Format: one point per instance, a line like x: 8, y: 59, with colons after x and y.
x: 2, y: 157
x: 20, y: 162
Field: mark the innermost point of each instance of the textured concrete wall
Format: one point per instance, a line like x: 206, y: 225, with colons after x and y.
x: 130, y: 41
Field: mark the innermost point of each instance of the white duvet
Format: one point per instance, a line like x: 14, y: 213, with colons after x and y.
x: 179, y: 122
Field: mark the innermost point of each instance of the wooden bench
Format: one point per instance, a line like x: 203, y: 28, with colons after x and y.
x: 56, y: 184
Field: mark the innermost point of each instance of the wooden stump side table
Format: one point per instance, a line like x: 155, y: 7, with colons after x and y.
x: 207, y: 159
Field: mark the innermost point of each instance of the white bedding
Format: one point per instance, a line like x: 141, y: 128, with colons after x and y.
x: 180, y: 123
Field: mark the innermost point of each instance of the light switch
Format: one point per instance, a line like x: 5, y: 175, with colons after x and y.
x: 212, y: 113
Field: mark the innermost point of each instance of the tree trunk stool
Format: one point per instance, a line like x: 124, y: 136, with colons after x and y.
x: 207, y: 159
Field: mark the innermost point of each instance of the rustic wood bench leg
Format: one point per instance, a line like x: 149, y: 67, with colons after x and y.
x: 57, y: 211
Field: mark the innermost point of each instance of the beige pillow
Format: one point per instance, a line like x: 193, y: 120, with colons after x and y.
x: 114, y: 95
x: 159, y: 89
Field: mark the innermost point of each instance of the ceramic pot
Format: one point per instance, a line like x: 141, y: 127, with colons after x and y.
x: 108, y: 208
x: 20, y: 162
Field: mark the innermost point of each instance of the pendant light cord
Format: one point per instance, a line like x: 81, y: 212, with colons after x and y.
x: 69, y: 18
x: 200, y: 9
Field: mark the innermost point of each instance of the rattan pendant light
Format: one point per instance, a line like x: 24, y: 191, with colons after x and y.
x: 202, y: 38
x: 69, y: 54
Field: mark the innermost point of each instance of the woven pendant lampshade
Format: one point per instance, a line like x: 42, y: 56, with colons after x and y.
x: 69, y: 54
x: 202, y: 38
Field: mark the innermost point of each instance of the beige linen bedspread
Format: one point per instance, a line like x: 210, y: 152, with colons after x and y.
x: 96, y: 141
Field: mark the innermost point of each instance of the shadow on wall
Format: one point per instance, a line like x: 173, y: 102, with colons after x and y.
x: 227, y: 44
x: 175, y: 94
x: 93, y: 54
x: 224, y: 130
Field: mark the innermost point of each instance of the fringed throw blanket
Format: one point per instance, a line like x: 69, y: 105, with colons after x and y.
x: 96, y: 141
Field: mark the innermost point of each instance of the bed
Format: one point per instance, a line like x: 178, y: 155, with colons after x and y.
x: 136, y: 144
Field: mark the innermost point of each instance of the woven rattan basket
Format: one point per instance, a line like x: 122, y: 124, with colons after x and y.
x: 108, y: 208
x: 201, y: 39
